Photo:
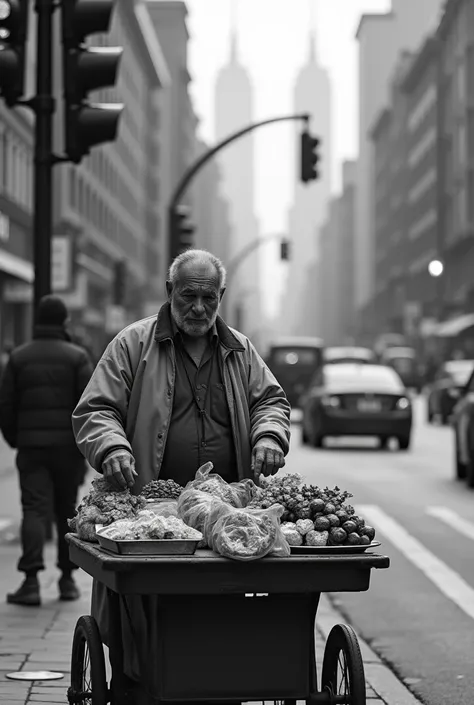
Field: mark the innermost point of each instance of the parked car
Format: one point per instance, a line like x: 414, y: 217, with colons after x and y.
x: 294, y: 360
x: 447, y: 388
x: 357, y: 400
x: 404, y: 362
x: 462, y: 420
x: 344, y: 354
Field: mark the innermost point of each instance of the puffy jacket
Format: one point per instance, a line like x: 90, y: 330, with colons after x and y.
x: 41, y: 385
x: 129, y: 399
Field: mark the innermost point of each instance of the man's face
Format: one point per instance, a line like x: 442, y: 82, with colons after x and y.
x: 195, y: 299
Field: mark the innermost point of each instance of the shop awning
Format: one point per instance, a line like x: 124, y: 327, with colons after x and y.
x: 16, y: 267
x: 452, y: 328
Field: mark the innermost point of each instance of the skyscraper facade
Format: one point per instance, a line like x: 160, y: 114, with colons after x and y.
x: 381, y: 38
x: 312, y: 95
x: 234, y: 110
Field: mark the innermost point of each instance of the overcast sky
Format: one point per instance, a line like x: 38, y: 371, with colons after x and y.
x: 273, y: 42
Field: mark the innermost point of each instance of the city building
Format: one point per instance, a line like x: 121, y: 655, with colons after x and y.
x: 178, y: 121
x: 16, y: 209
x: 381, y: 39
x: 423, y: 232
x: 334, y: 272
x: 346, y: 251
x: 107, y: 207
x: 456, y: 186
x: 210, y: 208
x: 391, y: 209
x: 312, y: 95
x: 234, y: 110
x: 329, y: 290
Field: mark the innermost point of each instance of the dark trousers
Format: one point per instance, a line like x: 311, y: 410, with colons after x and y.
x: 49, y: 479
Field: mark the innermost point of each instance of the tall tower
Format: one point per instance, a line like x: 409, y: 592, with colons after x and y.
x: 312, y: 95
x: 233, y: 111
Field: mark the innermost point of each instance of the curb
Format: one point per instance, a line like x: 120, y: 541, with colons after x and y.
x: 379, y: 677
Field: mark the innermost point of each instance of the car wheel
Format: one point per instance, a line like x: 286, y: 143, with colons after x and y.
x: 460, y: 467
x: 304, y: 438
x: 430, y: 415
x: 384, y: 442
x: 403, y: 442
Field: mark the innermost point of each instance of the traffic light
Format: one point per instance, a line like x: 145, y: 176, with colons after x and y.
x: 87, y: 69
x: 309, y: 157
x: 284, y: 251
x: 182, y: 230
x: 13, y: 34
x: 120, y: 282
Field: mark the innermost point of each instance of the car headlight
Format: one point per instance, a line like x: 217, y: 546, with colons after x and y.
x: 403, y: 404
x: 331, y: 402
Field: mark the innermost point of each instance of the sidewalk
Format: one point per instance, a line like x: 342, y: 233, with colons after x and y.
x: 41, y: 639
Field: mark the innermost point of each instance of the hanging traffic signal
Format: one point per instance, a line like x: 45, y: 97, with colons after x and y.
x: 13, y: 34
x: 120, y: 283
x: 181, y: 231
x: 85, y: 70
x: 309, y: 157
x: 284, y: 251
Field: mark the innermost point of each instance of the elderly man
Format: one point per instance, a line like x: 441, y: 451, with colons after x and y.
x: 174, y: 391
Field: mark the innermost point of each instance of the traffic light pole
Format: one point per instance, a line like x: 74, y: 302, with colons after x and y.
x: 240, y: 257
x: 197, y: 166
x: 44, y: 105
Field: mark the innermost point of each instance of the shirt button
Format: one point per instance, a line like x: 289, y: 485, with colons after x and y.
x: 199, y: 386
x: 160, y: 435
x: 198, y: 398
x: 169, y: 392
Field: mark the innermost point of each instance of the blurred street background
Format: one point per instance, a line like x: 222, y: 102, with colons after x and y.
x: 349, y: 242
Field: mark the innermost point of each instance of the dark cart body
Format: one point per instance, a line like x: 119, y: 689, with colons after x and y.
x: 228, y: 630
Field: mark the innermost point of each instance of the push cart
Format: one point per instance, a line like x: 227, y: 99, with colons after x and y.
x: 227, y: 631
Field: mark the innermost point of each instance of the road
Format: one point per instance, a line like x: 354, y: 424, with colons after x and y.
x: 418, y: 615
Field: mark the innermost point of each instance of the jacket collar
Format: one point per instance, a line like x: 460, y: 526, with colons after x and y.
x: 164, y: 329
x: 55, y: 332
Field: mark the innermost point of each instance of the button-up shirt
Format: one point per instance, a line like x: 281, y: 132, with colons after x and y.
x: 198, y: 435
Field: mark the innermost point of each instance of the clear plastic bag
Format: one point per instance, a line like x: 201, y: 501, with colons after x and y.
x: 164, y: 509
x: 237, y: 494
x: 245, y: 534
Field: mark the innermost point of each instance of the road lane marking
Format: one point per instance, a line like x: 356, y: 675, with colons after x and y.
x: 446, y: 580
x: 452, y: 519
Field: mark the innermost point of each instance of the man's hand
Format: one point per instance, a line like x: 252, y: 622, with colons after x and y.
x: 119, y: 469
x: 267, y: 457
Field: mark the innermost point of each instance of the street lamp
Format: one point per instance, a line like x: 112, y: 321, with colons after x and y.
x: 436, y: 268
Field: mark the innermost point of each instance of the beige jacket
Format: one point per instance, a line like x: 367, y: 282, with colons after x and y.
x: 129, y: 399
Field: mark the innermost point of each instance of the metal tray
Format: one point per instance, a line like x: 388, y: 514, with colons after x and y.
x: 315, y: 550
x: 163, y: 547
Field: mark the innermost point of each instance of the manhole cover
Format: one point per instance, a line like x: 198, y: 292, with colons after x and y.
x: 35, y: 676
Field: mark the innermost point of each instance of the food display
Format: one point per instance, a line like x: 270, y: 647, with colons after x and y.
x: 150, y: 526
x: 237, y: 494
x: 161, y: 489
x: 313, y: 516
x: 103, y: 505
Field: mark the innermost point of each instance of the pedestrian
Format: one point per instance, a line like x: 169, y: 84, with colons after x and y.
x: 42, y: 384
x: 176, y: 390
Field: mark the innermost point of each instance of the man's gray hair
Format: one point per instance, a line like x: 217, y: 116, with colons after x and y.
x: 196, y: 257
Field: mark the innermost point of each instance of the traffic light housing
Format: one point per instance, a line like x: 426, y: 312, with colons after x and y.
x: 182, y: 230
x: 86, y: 69
x: 309, y: 157
x: 284, y: 251
x: 13, y: 35
x: 120, y: 282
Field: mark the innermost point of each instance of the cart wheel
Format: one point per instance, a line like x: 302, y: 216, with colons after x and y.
x: 88, y: 681
x: 343, y: 668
